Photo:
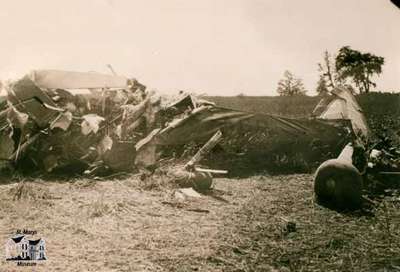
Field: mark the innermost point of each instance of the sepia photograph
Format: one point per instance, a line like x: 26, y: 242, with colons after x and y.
x: 200, y: 135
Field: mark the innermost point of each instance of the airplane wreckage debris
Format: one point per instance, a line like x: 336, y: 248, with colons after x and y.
x: 364, y: 166
x: 95, y: 124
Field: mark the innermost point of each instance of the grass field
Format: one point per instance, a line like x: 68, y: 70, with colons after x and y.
x: 261, y: 223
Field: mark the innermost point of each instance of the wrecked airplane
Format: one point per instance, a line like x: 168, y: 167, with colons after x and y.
x: 94, y: 123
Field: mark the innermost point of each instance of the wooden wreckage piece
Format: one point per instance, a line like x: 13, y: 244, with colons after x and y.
x: 203, y: 151
x: 200, y: 178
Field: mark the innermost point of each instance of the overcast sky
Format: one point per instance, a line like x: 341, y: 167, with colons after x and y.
x: 221, y: 47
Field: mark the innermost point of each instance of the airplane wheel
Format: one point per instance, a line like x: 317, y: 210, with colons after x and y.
x: 338, y: 185
x: 202, y: 181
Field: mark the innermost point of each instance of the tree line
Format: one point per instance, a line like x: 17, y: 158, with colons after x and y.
x: 349, y: 68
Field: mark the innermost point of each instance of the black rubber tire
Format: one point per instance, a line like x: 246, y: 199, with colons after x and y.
x: 338, y: 185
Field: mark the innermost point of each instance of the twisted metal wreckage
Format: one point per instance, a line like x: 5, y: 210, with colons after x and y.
x: 92, y: 123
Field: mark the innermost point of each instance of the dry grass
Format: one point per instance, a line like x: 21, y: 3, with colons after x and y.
x: 257, y: 224
x: 29, y: 191
x: 324, y: 240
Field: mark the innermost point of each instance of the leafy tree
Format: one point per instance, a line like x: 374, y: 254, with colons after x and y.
x: 322, y: 87
x: 290, y: 85
x: 359, y: 67
x: 328, y: 71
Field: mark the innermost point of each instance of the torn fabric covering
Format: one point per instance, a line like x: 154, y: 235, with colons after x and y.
x: 91, y: 123
x: 310, y: 137
x: 28, y: 98
x: 201, y: 123
x: 147, y: 155
x: 6, y: 147
x: 260, y: 141
x: 16, y: 118
x: 63, y: 121
x: 184, y: 103
x: 205, y: 121
x: 342, y: 105
x: 121, y: 156
x: 54, y: 79
x: 105, y: 144
x: 133, y: 112
x: 146, y: 150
